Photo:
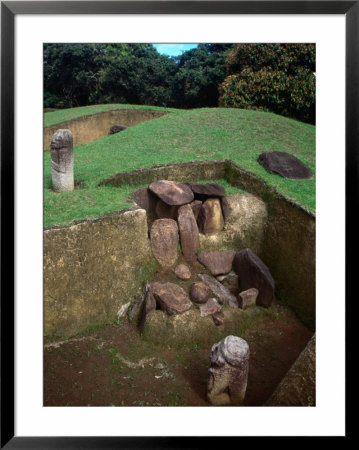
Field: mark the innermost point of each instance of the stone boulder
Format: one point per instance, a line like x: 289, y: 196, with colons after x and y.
x: 230, y: 281
x: 203, y: 191
x: 218, y: 263
x: 145, y: 199
x: 220, y: 291
x: 200, y: 292
x: 285, y: 165
x: 225, y: 208
x: 182, y: 272
x: 253, y: 273
x: 117, y: 128
x: 210, y: 307
x: 171, y: 192
x: 170, y: 297
x: 188, y: 233
x: 164, y: 241
x: 248, y: 298
x: 210, y: 218
x: 196, y: 207
x: 164, y: 211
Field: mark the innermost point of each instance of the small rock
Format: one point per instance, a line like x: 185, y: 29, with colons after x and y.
x: 220, y: 291
x: 230, y: 281
x: 164, y: 241
x: 253, y: 272
x: 248, y: 298
x: 183, y: 272
x: 196, y: 207
x: 285, y: 165
x: 210, y: 219
x: 200, y: 292
x: 218, y: 263
x: 219, y: 318
x: 171, y: 298
x: 171, y: 192
x: 117, y: 128
x: 208, y: 189
x: 210, y: 307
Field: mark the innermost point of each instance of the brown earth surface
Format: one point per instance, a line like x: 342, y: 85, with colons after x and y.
x: 113, y: 366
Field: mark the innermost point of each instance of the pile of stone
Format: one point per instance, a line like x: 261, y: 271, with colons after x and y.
x: 198, y: 208
x: 240, y: 280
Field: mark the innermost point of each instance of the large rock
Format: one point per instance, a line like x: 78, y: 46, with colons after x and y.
x: 188, y: 233
x: 210, y: 307
x: 62, y: 161
x: 196, y: 207
x: 207, y: 190
x: 285, y: 165
x: 210, y: 218
x: 145, y: 199
x: 200, y: 292
x: 170, y: 297
x: 164, y: 241
x: 253, y: 273
x: 117, y: 128
x: 228, y: 374
x: 230, y: 281
x: 225, y: 208
x: 164, y: 211
x: 171, y: 192
x: 218, y: 263
x: 220, y: 291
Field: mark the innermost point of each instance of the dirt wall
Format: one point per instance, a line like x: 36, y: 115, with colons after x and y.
x: 96, y: 126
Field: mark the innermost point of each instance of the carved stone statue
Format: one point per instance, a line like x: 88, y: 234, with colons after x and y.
x: 62, y: 161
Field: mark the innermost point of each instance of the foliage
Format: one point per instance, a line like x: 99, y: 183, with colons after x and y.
x: 271, y: 77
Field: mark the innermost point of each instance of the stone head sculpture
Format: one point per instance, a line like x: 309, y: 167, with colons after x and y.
x: 62, y: 161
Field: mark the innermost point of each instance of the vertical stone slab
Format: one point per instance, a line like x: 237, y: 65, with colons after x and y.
x: 189, y: 233
x: 164, y: 241
x: 228, y: 374
x: 210, y: 218
x: 62, y: 161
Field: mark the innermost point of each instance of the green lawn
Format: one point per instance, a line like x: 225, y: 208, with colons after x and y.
x: 183, y: 135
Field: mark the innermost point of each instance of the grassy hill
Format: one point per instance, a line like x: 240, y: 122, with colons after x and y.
x: 183, y: 135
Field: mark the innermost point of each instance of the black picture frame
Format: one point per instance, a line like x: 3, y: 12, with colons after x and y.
x: 9, y: 9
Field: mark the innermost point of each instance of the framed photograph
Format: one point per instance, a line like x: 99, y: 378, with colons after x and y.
x: 32, y: 412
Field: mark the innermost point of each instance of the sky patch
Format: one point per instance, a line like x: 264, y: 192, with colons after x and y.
x: 173, y: 49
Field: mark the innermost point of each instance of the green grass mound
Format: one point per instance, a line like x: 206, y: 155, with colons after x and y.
x: 182, y: 136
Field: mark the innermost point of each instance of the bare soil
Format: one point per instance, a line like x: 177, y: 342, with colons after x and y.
x: 113, y: 366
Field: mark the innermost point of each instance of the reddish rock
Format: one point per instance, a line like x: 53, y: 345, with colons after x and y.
x: 219, y: 318
x: 210, y: 307
x: 196, y: 207
x: 164, y: 211
x: 218, y: 262
x: 171, y: 298
x: 285, y: 165
x: 248, y: 298
x: 253, y: 272
x: 230, y: 281
x: 220, y: 291
x: 210, y: 218
x: 171, y: 192
x: 188, y: 233
x: 164, y: 241
x: 183, y: 272
x: 208, y: 189
x: 200, y: 292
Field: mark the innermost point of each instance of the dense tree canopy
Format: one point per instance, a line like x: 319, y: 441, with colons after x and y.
x: 271, y: 77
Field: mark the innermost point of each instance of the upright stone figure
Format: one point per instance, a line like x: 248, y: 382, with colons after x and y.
x: 228, y: 374
x: 62, y: 161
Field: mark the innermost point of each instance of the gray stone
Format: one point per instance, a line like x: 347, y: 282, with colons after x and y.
x: 247, y: 298
x: 228, y: 374
x: 164, y: 241
x: 210, y: 307
x: 182, y: 272
x: 220, y: 291
x: 230, y: 281
x: 218, y: 263
x: 171, y: 192
x: 62, y: 161
x: 285, y: 165
x: 188, y: 233
x: 200, y: 292
x: 253, y: 272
